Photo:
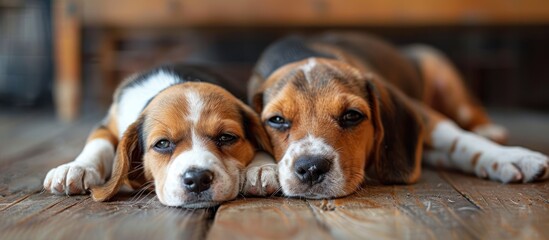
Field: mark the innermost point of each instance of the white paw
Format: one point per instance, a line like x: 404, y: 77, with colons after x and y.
x: 513, y: 164
x: 493, y: 132
x: 261, y: 181
x: 72, y: 178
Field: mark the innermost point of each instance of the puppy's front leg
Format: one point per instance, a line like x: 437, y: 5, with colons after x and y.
x: 261, y: 176
x: 91, y: 168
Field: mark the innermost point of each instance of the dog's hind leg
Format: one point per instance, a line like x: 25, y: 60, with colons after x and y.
x: 445, y: 92
x: 447, y: 145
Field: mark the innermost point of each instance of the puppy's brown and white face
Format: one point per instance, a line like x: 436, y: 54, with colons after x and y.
x: 194, y: 144
x: 319, y: 123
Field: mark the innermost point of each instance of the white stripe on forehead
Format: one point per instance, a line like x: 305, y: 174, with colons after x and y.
x: 311, y: 63
x: 196, y: 106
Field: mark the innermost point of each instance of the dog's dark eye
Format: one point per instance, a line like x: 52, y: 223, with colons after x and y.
x: 225, y: 139
x: 163, y: 146
x: 351, y: 118
x: 278, y: 123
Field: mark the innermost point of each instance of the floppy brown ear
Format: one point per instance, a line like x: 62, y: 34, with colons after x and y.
x: 255, y: 92
x: 255, y: 131
x: 257, y: 102
x: 398, y: 135
x: 127, y: 165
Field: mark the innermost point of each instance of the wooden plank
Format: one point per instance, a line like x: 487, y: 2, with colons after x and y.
x: 44, y: 216
x: 512, y: 211
x: 129, y: 13
x: 270, y: 218
x: 426, y: 210
x: 23, y: 171
x: 26, y: 175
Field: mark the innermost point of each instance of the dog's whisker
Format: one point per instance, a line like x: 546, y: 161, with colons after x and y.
x: 140, y: 192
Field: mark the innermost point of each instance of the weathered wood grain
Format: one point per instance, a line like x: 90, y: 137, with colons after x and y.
x: 426, y: 210
x: 511, y: 211
x: 43, y: 216
x: 270, y: 218
x: 25, y: 170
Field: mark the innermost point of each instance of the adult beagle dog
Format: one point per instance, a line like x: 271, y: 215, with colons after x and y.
x: 171, y: 128
x: 342, y: 106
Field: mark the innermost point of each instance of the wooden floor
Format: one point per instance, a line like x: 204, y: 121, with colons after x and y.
x: 443, y: 205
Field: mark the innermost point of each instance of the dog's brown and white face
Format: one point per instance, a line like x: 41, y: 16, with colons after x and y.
x: 324, y: 121
x: 192, y: 141
x: 320, y: 127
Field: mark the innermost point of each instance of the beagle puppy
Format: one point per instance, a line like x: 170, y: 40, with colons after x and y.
x: 169, y: 128
x: 343, y: 106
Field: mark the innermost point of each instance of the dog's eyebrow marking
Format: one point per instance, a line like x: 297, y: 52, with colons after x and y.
x: 307, y: 69
x: 196, y: 106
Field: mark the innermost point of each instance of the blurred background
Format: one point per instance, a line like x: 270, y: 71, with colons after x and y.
x: 67, y: 56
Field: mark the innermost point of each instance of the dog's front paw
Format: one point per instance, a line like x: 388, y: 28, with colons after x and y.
x: 513, y: 164
x: 72, y: 178
x: 261, y: 180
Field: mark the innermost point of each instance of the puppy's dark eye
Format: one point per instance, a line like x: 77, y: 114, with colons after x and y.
x: 226, y: 139
x: 278, y: 123
x: 351, y: 118
x: 164, y: 146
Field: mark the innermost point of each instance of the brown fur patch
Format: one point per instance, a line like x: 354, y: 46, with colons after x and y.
x: 474, y: 159
x: 453, y: 147
x: 495, y: 166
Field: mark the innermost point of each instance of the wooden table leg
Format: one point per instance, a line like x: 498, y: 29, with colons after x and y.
x: 107, y: 54
x: 67, y: 82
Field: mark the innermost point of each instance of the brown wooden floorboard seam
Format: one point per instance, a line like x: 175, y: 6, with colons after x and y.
x: 315, y: 215
x: 447, y: 179
x: 32, y: 218
x: 16, y: 202
x: 435, y: 218
x: 70, y: 206
x: 406, y: 210
x: 212, y: 212
x: 428, y: 214
x: 467, y: 227
x: 410, y: 213
x: 27, y: 218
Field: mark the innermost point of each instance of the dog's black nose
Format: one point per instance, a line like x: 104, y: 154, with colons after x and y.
x: 311, y: 169
x: 197, y: 180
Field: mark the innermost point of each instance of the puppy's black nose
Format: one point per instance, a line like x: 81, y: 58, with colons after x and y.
x: 197, y: 180
x: 311, y: 169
